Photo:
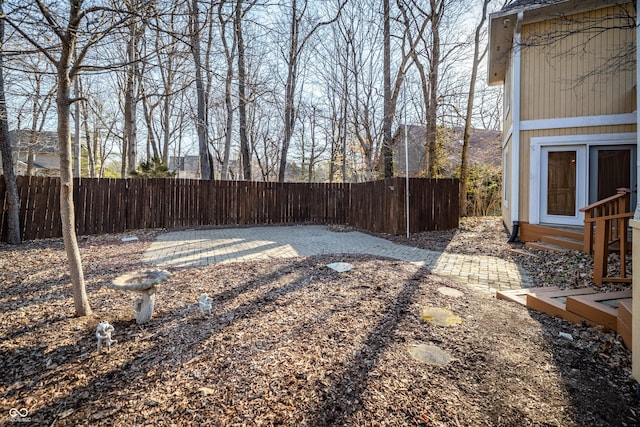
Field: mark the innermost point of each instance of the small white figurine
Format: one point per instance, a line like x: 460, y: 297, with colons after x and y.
x: 103, y: 333
x: 205, y: 304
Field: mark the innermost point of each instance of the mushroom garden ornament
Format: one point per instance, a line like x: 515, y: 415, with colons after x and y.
x: 145, y: 283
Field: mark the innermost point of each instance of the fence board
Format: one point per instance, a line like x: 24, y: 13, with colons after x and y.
x: 117, y: 205
x: 38, y: 215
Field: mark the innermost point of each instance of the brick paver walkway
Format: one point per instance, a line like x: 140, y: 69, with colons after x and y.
x: 190, y: 248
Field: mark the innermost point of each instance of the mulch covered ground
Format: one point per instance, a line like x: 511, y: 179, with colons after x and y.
x: 292, y: 342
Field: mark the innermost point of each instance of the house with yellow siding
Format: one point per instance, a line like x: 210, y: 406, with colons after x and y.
x: 568, y: 72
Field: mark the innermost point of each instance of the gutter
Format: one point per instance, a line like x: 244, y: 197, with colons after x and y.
x: 515, y: 136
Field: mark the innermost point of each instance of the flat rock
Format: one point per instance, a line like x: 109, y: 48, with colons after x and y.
x: 340, y: 267
x: 440, y: 316
x: 430, y: 354
x: 450, y: 292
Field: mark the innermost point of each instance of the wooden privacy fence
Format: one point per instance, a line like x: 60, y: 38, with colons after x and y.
x: 117, y: 205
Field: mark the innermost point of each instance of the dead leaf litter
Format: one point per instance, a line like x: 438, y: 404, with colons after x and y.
x: 292, y: 342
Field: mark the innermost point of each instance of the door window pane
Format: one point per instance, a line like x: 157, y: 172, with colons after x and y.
x: 561, y: 174
x: 614, y: 171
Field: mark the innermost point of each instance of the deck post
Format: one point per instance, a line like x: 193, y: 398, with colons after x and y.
x: 601, y: 251
x: 588, y: 232
x: 635, y: 325
x: 635, y: 257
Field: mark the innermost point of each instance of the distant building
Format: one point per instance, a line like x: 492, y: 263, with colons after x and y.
x: 484, y: 147
x: 186, y: 167
x: 42, y: 147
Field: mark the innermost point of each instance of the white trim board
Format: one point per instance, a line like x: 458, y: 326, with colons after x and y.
x: 589, y: 139
x: 506, y: 135
x: 514, y: 201
x: 538, y: 142
x: 577, y: 122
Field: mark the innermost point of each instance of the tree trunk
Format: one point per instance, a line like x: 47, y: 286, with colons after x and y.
x: 290, y: 89
x: 202, y: 126
x: 228, y: 102
x: 242, y: 101
x: 63, y: 103
x: 229, y: 53
x: 312, y: 156
x: 345, y: 105
x: 87, y: 136
x: 13, y: 202
x: 432, y: 108
x: 387, y: 120
x: 130, y: 126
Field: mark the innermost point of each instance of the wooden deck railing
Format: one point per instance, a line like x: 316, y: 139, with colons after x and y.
x: 610, y: 219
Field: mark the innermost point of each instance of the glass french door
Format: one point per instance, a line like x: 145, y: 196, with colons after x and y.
x: 612, y: 167
x: 563, y: 184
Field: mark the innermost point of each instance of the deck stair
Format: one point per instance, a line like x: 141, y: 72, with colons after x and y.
x: 611, y: 310
x: 624, y: 321
x: 605, y: 230
x: 550, y: 238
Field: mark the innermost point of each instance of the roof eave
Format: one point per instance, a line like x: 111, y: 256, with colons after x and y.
x: 502, y: 26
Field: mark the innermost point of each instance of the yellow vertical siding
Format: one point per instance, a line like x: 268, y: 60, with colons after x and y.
x: 557, y: 78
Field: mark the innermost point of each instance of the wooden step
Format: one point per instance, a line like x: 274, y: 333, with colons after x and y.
x: 624, y: 321
x: 565, y: 242
x: 534, y: 232
x: 519, y: 296
x: 613, y: 310
x: 600, y: 308
x: 550, y: 247
x: 554, y: 303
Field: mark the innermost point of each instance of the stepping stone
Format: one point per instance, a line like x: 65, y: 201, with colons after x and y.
x: 430, y: 354
x: 440, y: 316
x: 340, y: 267
x: 450, y: 292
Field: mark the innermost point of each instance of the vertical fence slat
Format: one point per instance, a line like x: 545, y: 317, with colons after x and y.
x: 115, y: 205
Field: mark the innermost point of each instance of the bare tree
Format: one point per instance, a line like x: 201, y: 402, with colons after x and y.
x: 437, y: 10
x: 170, y: 61
x: 65, y: 25
x: 242, y: 83
x: 130, y: 150
x: 202, y: 122
x: 361, y: 87
x: 311, y: 148
x: 67, y: 32
x: 230, y: 47
x: 13, y: 204
x: 297, y: 43
x: 477, y: 58
x: 387, y: 121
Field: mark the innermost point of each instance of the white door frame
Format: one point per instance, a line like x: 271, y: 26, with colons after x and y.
x: 536, y: 146
x: 581, y: 184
